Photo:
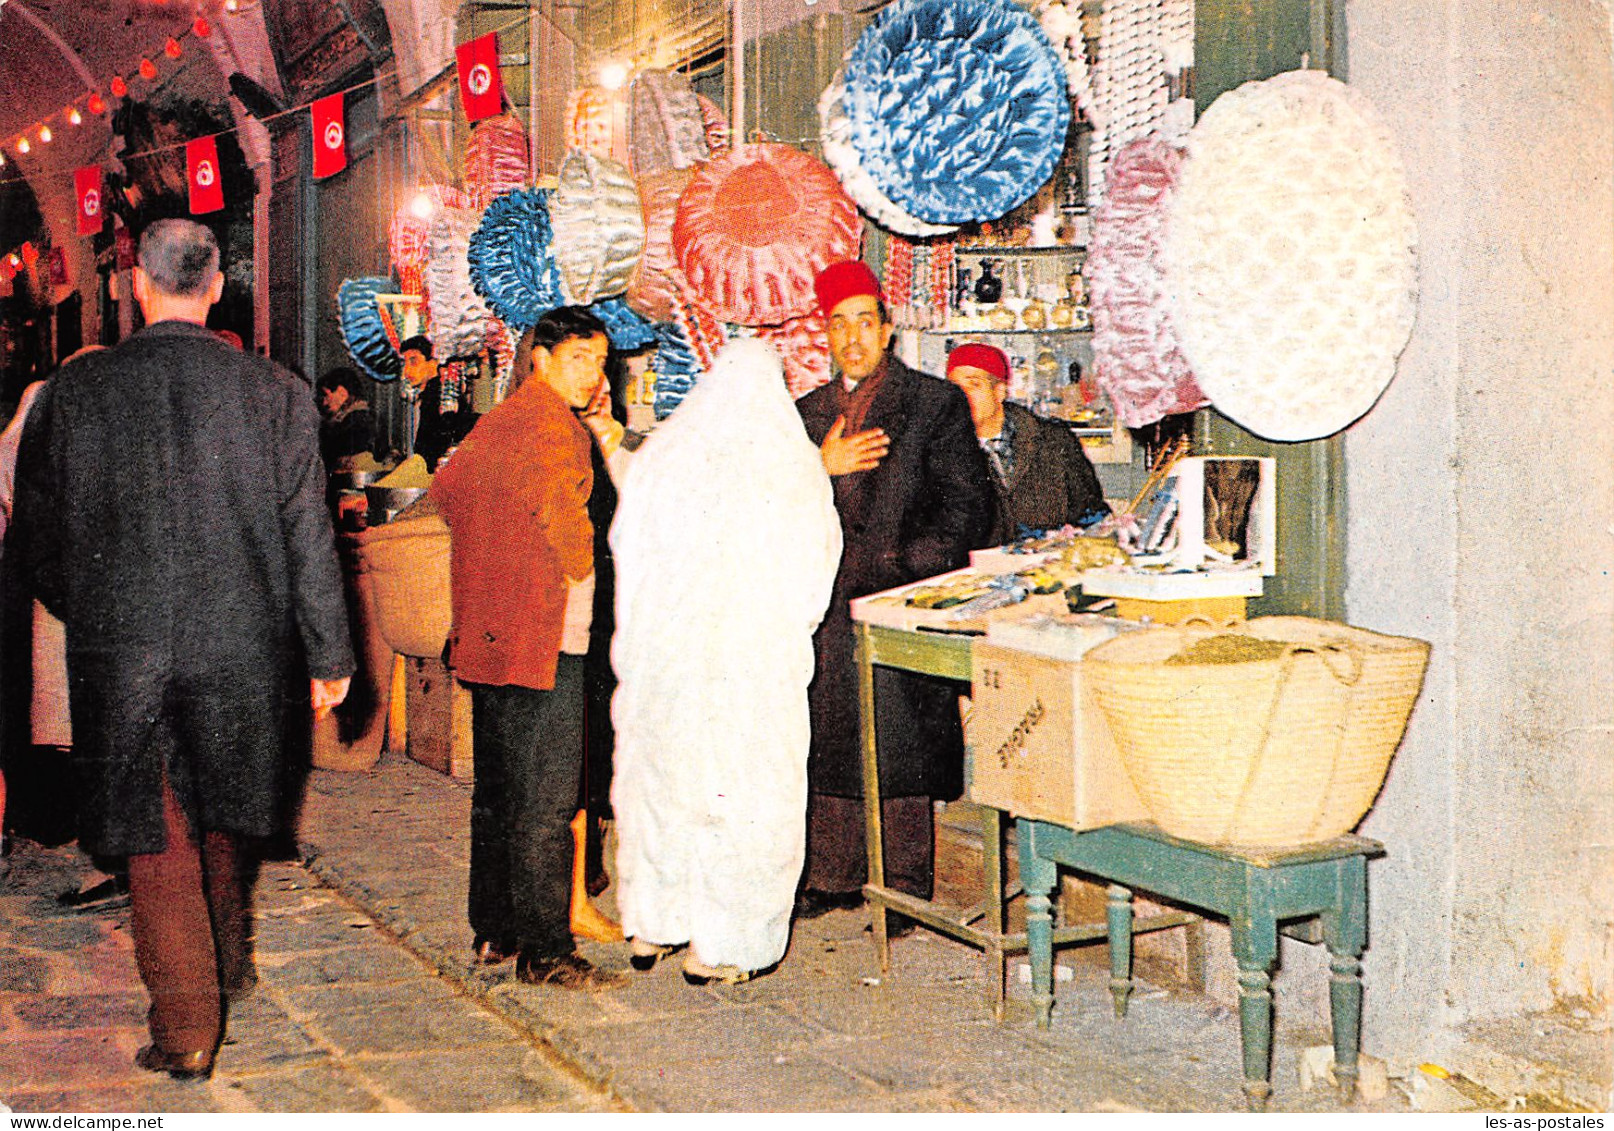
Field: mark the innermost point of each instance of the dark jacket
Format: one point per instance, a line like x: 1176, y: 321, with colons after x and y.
x: 916, y: 515
x: 438, y: 430
x: 170, y: 509
x: 515, y: 497
x: 1051, y: 480
x: 347, y: 433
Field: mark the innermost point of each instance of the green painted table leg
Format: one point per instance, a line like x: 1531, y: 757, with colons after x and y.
x: 1345, y: 933
x: 1038, y: 877
x: 1255, y: 949
x: 1118, y: 915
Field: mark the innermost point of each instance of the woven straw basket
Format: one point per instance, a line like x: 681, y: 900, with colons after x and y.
x: 1278, y: 751
x: 407, y: 560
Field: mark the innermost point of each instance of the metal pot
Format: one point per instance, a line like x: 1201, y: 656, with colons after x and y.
x: 387, y: 503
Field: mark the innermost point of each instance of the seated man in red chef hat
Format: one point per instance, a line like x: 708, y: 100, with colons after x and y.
x: 914, y: 497
x: 1041, y: 477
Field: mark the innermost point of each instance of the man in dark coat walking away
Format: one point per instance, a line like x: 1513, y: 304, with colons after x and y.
x: 913, y: 495
x: 170, y: 510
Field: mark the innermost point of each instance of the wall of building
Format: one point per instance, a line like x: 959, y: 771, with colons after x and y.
x: 1481, y: 508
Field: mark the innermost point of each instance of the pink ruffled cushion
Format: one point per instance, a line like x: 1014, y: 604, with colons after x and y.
x: 756, y: 226
x: 804, y: 348
x: 653, y: 289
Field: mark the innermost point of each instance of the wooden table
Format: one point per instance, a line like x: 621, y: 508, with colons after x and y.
x: 1324, y: 884
x: 983, y: 925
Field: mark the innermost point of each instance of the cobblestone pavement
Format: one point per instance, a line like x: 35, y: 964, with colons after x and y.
x: 368, y: 1003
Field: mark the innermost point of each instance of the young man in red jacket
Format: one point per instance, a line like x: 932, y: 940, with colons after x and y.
x: 515, y: 497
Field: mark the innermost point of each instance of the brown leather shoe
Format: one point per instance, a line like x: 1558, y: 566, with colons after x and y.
x: 179, y: 1065
x: 569, y: 972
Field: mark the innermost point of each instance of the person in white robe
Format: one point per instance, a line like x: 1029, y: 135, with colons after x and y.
x: 726, y: 541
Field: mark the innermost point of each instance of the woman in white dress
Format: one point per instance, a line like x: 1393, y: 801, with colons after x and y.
x: 726, y: 543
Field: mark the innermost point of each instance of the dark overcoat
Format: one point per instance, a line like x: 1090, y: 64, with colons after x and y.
x: 916, y: 515
x: 1051, y: 481
x: 170, y: 509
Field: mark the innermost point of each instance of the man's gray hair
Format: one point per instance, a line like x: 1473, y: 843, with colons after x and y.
x: 179, y: 256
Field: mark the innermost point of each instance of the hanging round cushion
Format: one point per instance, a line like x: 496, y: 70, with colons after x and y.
x: 599, y: 230
x: 363, y: 332
x: 1137, y: 357
x: 653, y: 289
x: 511, y: 261
x: 835, y: 134
x: 626, y: 329
x: 756, y: 226
x: 459, y: 317
x: 717, y: 126
x: 1290, y: 256
x: 665, y: 126
x: 958, y: 107
x: 409, y: 231
x: 803, y: 346
x: 495, y: 158
x: 588, y: 120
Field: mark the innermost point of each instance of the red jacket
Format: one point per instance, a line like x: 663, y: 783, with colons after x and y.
x: 515, y: 497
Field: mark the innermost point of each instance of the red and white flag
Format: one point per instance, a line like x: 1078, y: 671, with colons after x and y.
x: 330, y: 136
x: 481, y: 85
x: 207, y: 186
x: 87, y: 186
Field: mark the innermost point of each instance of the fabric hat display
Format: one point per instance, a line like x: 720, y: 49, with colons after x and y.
x: 756, y: 226
x: 1137, y: 355
x: 599, y: 230
x: 588, y: 121
x: 408, y: 234
x: 495, y: 158
x: 665, y: 126
x: 717, y: 126
x: 804, y: 348
x: 975, y: 355
x: 835, y: 135
x: 958, y: 107
x: 459, y: 317
x: 363, y: 331
x: 653, y: 289
x: 841, y: 281
x: 1290, y: 256
x: 510, y: 258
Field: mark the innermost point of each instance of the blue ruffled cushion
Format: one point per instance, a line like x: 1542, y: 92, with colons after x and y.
x: 958, y: 107
x: 626, y: 329
x: 363, y: 332
x: 512, y: 267
x: 675, y: 368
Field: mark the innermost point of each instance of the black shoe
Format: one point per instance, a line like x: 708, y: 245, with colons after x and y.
x: 697, y: 974
x: 810, y: 904
x: 645, y: 955
x: 101, y: 895
x: 568, y: 971
x: 491, y: 952
x: 179, y: 1065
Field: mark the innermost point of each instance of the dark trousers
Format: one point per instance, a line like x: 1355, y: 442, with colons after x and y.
x: 527, y: 746
x: 188, y: 911
x: 837, y: 857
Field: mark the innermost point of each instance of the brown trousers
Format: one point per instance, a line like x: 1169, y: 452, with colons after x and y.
x: 189, y: 915
x: 837, y: 858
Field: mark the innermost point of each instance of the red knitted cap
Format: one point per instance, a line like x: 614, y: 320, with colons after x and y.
x: 980, y: 356
x: 841, y: 281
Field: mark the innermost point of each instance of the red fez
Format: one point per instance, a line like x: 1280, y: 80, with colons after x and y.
x: 980, y: 356
x: 841, y: 281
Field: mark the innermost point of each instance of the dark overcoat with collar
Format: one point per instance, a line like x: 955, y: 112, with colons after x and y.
x: 1051, y: 481
x: 170, y: 509
x: 916, y: 515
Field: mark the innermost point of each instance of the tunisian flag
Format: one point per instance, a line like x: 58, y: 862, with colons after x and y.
x: 87, y: 187
x: 207, y: 187
x: 481, y: 86
x: 330, y: 136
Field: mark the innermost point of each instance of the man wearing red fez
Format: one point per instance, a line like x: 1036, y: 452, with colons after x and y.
x: 914, y: 497
x: 1041, y: 477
